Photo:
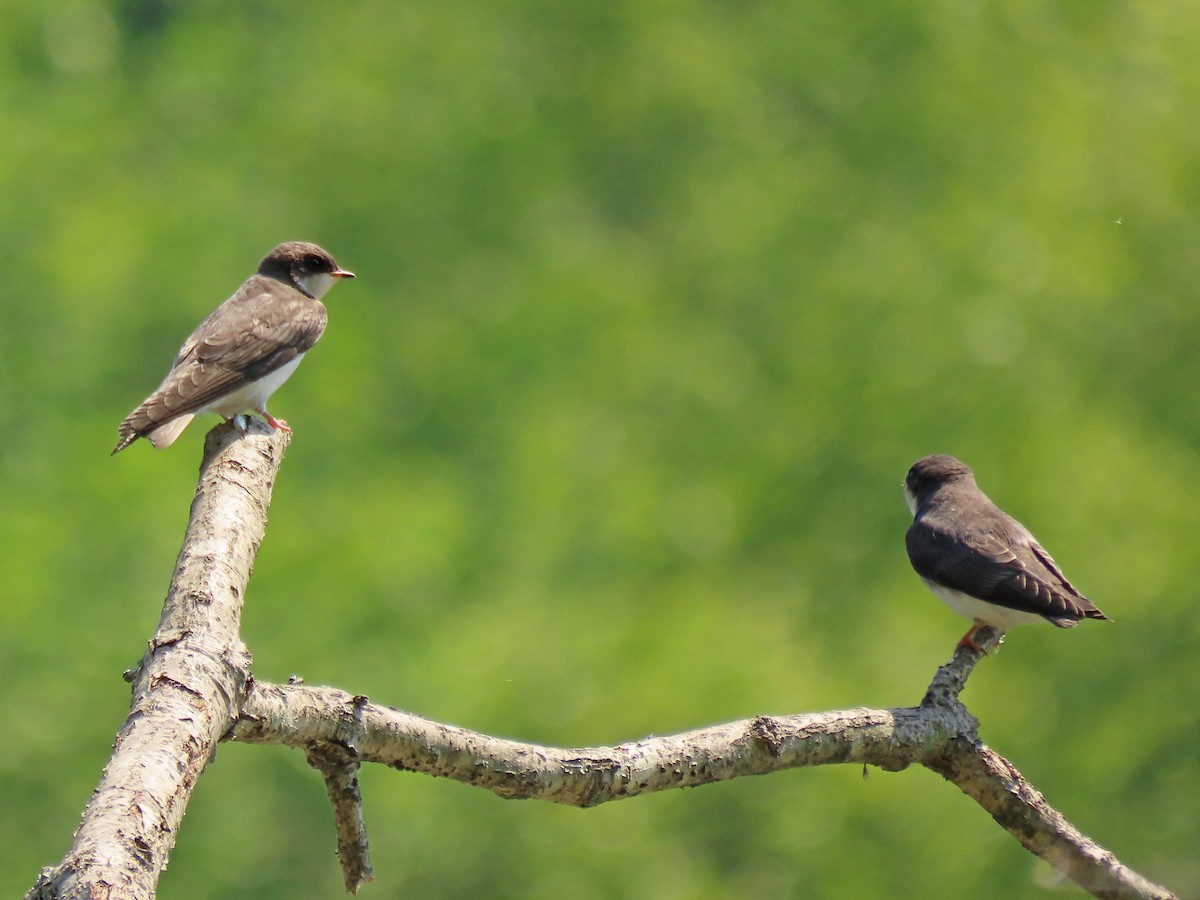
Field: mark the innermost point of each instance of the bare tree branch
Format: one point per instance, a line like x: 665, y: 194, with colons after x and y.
x: 939, y: 734
x: 587, y: 776
x: 338, y: 765
x: 189, y: 686
x: 993, y: 782
x: 193, y: 688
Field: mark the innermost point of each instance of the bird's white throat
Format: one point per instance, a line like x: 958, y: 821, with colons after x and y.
x: 317, y: 284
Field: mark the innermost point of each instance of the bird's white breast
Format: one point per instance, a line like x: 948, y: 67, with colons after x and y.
x: 973, y: 608
x: 253, y: 395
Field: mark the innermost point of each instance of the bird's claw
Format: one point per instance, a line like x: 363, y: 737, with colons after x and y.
x: 277, y: 424
x: 968, y: 639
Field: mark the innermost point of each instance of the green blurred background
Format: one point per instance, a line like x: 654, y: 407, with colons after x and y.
x: 656, y: 304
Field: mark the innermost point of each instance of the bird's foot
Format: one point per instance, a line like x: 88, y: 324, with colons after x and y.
x: 968, y: 639
x: 277, y: 424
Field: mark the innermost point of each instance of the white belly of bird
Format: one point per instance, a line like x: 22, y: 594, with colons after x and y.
x: 973, y: 608
x: 253, y: 396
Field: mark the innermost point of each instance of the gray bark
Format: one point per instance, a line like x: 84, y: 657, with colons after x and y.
x: 193, y: 688
x: 189, y: 687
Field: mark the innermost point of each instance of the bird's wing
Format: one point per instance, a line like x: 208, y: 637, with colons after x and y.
x: 1005, y: 566
x: 253, y: 333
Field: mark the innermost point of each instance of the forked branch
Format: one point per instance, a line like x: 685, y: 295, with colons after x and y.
x: 193, y: 688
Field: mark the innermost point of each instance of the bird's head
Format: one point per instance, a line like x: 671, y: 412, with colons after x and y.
x: 307, y: 266
x: 931, y: 472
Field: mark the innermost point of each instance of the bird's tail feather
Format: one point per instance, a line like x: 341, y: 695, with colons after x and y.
x: 165, y: 435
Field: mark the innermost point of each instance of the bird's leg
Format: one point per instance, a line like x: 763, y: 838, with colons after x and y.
x: 968, y: 639
x: 277, y: 424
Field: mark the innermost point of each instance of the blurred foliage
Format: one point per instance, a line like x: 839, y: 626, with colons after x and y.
x: 656, y: 304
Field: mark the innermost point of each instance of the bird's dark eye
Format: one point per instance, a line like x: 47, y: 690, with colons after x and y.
x: 314, y: 262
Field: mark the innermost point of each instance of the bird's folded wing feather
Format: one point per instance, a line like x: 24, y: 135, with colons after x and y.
x: 249, y: 336
x: 986, y: 566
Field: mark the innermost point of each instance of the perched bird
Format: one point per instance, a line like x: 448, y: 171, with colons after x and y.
x: 980, y: 561
x: 245, y: 349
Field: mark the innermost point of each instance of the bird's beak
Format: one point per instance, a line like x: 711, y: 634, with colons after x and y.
x: 342, y: 273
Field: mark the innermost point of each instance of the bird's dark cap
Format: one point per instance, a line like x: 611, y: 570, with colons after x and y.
x: 930, y: 471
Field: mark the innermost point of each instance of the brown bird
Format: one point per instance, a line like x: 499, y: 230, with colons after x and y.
x: 246, y: 349
x: 979, y: 560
